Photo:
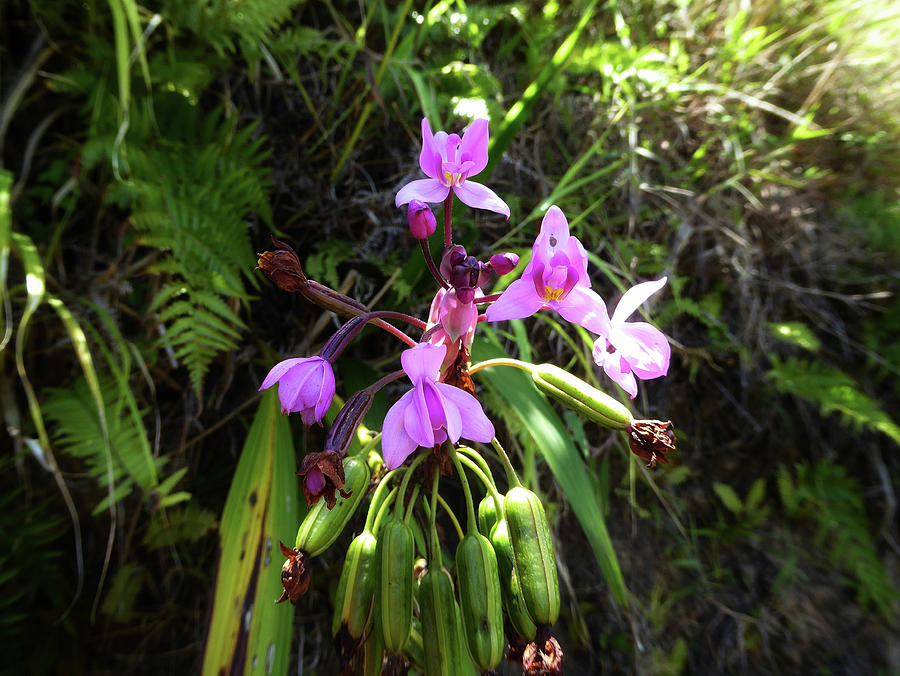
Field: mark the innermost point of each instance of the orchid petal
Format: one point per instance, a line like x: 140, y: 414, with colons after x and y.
x: 474, y: 146
x: 644, y: 347
x: 453, y: 418
x: 416, y: 419
x: 518, y: 301
x: 326, y: 394
x: 634, y: 297
x: 315, y: 481
x: 423, y: 361
x: 478, y: 196
x: 425, y: 189
x: 280, y: 369
x: 585, y: 307
x: 396, y: 444
x: 554, y: 233
x: 612, y: 366
x: 299, y: 388
x: 475, y: 424
x: 430, y: 157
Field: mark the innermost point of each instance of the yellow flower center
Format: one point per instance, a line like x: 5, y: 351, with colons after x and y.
x: 452, y: 179
x: 552, y: 294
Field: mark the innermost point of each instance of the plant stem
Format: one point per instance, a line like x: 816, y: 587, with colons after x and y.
x: 429, y: 261
x: 511, y: 475
x: 500, y: 361
x: 472, y: 524
x: 448, y: 207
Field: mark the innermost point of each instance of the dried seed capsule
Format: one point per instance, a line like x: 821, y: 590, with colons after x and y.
x: 480, y: 600
x: 581, y: 397
x: 322, y: 526
x: 395, y: 554
x: 356, y: 588
x: 445, y: 651
x: 487, y: 515
x: 518, y: 615
x: 532, y: 554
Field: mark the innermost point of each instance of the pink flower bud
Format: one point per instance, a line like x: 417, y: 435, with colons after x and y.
x: 422, y: 222
x: 503, y: 263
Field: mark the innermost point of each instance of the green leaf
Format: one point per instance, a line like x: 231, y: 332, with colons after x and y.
x: 796, y: 333
x: 248, y: 633
x: 728, y: 497
x: 541, y: 425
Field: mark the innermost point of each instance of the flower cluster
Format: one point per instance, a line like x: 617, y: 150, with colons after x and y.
x: 421, y: 433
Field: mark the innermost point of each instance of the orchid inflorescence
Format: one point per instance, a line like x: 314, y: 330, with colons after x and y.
x: 508, y: 542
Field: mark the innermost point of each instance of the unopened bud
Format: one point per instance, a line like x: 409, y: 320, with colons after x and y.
x: 348, y: 421
x: 422, y: 222
x: 504, y: 263
x: 581, y: 397
x: 650, y: 440
x: 452, y: 257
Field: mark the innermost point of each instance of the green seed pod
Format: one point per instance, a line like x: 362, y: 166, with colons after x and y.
x: 480, y: 600
x: 445, y: 652
x: 395, y: 554
x: 581, y: 397
x: 532, y: 554
x: 372, y: 655
x: 509, y: 583
x: 414, y: 650
x: 356, y: 588
x: 487, y: 515
x: 322, y: 526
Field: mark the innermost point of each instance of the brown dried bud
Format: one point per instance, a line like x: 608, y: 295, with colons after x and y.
x: 543, y: 655
x: 294, y: 574
x: 650, y: 440
x: 283, y: 267
x: 323, y: 474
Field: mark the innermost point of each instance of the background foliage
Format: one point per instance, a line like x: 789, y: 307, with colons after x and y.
x: 747, y: 150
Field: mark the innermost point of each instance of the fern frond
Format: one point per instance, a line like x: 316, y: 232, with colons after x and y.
x: 834, y: 391
x: 79, y: 434
x: 836, y: 502
x: 184, y: 524
x: 225, y: 23
x: 201, y: 326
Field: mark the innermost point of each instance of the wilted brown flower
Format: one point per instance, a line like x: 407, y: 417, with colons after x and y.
x: 650, y: 440
x: 283, y: 267
x: 323, y: 474
x: 543, y: 655
x: 294, y: 574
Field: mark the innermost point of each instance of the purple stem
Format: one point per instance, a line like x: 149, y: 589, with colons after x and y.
x: 429, y: 261
x: 448, y: 206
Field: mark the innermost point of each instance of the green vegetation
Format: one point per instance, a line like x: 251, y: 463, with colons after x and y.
x: 747, y: 150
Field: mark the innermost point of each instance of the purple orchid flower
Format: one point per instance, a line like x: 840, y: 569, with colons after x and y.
x: 555, y: 278
x: 431, y: 412
x: 449, y: 161
x: 305, y: 384
x: 629, y: 349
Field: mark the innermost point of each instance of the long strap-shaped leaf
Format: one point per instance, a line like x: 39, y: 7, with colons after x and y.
x: 540, y: 422
x: 521, y: 109
x: 248, y: 633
